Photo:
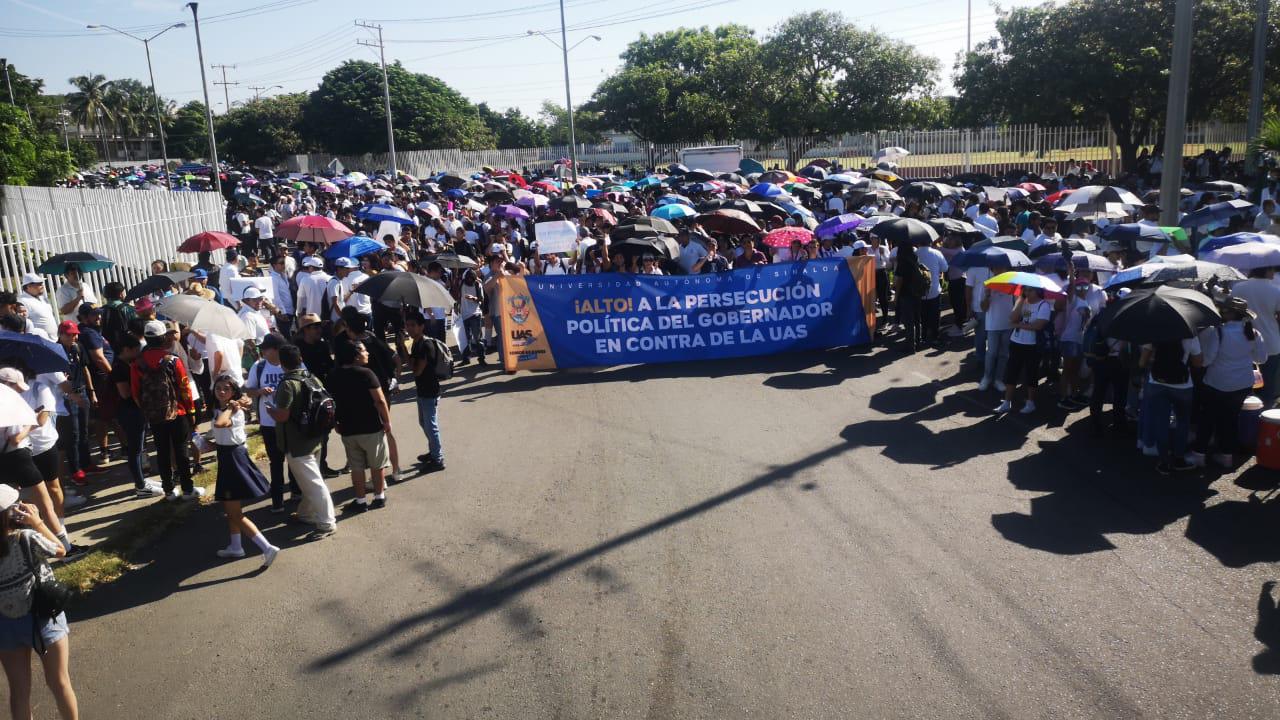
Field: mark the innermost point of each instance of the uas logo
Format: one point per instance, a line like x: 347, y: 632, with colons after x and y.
x: 519, y: 308
x: 522, y: 338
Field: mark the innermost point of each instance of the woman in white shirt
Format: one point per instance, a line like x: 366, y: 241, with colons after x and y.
x: 1030, y: 315
x: 1229, y: 353
x: 239, y: 479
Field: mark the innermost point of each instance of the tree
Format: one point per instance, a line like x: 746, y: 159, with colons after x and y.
x: 264, y: 130
x: 588, y: 126
x: 89, y: 105
x: 130, y: 108
x: 188, y: 132
x: 512, y: 128
x: 1108, y: 60
x: 27, y: 155
x: 346, y: 114
x: 83, y: 153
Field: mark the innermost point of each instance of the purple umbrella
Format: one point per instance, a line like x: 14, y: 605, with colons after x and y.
x: 838, y: 224
x: 533, y: 201
x: 510, y: 211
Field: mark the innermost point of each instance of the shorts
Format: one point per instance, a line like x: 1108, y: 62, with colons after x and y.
x: 1070, y: 349
x: 1023, y: 360
x: 20, y: 469
x: 16, y: 633
x: 368, y: 451
x: 47, y: 463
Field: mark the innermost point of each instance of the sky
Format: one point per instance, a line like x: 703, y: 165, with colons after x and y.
x: 485, y: 54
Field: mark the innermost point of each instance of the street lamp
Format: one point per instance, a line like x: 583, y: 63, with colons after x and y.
x: 568, y: 100
x: 146, y: 44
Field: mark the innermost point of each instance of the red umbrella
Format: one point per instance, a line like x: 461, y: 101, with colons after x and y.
x: 1058, y: 196
x: 313, y: 229
x: 734, y: 222
x: 208, y: 241
x: 604, y: 215
x: 1031, y: 187
x: 783, y: 237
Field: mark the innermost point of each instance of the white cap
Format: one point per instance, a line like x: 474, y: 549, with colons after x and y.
x: 8, y: 496
x: 346, y: 262
x: 31, y: 279
x: 312, y: 261
x: 496, y: 248
x: 252, y: 293
x: 859, y: 245
x: 153, y: 329
x: 13, y: 376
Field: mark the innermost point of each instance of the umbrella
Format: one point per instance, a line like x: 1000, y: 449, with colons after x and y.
x: 749, y: 207
x: 699, y: 175
x: 502, y: 196
x: 783, y: 237
x: 85, y: 261
x: 1246, y: 257
x: 930, y: 191
x: 604, y: 215
x: 733, y: 222
x: 673, y: 211
x: 452, y: 261
x: 1224, y: 186
x: 208, y: 241
x: 1153, y: 273
x: 673, y: 198
x: 570, y: 204
x: 1082, y: 261
x: 204, y: 316
x: 891, y: 154
x: 533, y: 201
x: 613, y: 207
x: 150, y: 286
x: 767, y: 190
x: 455, y: 193
x: 404, y: 288
x: 354, y: 247
x: 641, y: 246
x: 813, y: 172
x: 1221, y: 241
x: 952, y: 226
x: 14, y: 409
x: 840, y: 223
x: 1216, y: 213
x: 1099, y: 195
x: 450, y: 181
x: 34, y: 353
x: 1031, y: 187
x: 507, y: 211
x: 1005, y: 241
x: 1073, y: 244
x: 906, y: 230
x: 429, y: 208
x: 991, y: 256
x: 1011, y: 283
x: 1161, y: 314
x: 1133, y: 232
x: 313, y: 229
x: 747, y: 166
x: 844, y: 178
x: 1096, y: 211
x: 379, y: 212
x: 734, y: 178
x: 644, y: 226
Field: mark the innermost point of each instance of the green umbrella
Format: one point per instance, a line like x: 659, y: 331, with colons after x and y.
x: 1177, y: 234
x: 747, y: 166
x: 299, y: 186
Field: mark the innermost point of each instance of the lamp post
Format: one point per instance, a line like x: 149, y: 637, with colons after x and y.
x: 155, y: 97
x: 568, y: 99
x: 208, y: 107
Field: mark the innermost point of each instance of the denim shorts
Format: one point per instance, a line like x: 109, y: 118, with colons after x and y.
x: 16, y: 632
x: 1070, y: 349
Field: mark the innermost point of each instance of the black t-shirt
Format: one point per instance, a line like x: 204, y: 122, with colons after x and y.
x: 90, y: 340
x: 428, y: 385
x: 356, y: 412
x: 120, y: 370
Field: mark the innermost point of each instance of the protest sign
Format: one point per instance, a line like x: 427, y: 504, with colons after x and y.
x: 556, y: 236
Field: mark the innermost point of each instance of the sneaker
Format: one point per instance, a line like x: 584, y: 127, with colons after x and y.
x: 392, y: 478
x: 1225, y: 460
x: 424, y: 458
x: 78, y: 478
x: 999, y: 385
x: 74, y: 552
x: 1181, y: 465
x: 195, y: 494
x: 377, y: 503
x: 984, y: 385
x: 172, y: 496
x: 274, y: 510
x: 1004, y: 407
x: 1029, y: 408
x: 328, y: 473
x: 269, y: 556
x: 320, y: 533
x: 355, y: 507
x: 433, y: 465
x: 1150, y: 451
x: 71, y: 501
x: 229, y: 553
x: 148, y: 490
x: 197, y: 468
x: 95, y: 470
x: 1194, y: 458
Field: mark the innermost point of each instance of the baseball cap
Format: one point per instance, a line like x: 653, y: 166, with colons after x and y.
x: 199, y: 274
x: 859, y: 245
x: 8, y: 496
x: 88, y: 309
x: 312, y: 261
x: 69, y: 327
x: 153, y: 329
x: 346, y: 262
x: 307, y: 320
x: 252, y: 293
x: 13, y: 376
x: 31, y: 279
x: 144, y: 304
x: 496, y: 248
x: 272, y: 340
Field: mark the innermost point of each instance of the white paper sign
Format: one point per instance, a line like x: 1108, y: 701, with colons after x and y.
x: 240, y: 284
x: 556, y: 236
x: 385, y: 228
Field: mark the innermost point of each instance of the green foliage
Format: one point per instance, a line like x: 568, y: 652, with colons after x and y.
x: 346, y: 113
x: 588, y: 125
x: 83, y: 153
x: 89, y: 104
x: 26, y: 155
x: 513, y: 129
x: 187, y: 132
x: 1268, y: 140
x: 263, y: 130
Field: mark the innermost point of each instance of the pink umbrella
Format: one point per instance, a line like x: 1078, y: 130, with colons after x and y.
x: 313, y: 229
x: 783, y: 237
x: 533, y: 201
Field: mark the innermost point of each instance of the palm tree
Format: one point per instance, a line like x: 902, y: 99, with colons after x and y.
x: 88, y: 103
x: 1268, y: 140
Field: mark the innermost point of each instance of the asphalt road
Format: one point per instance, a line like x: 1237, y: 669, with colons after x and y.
x: 826, y: 535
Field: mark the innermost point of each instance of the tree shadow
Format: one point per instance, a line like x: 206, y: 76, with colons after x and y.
x: 906, y: 439
x: 1267, y: 631
x: 1238, y: 533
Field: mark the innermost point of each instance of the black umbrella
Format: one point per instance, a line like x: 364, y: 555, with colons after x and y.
x: 643, y: 227
x: 617, y: 209
x: 952, y: 226
x: 641, y: 246
x: 769, y: 209
x: 733, y: 178
x: 501, y: 196
x: 906, y: 230
x: 150, y: 286
x: 1162, y: 314
x: 814, y: 172
x: 676, y: 169
x: 393, y: 287
x: 699, y: 175
x: 806, y: 191
x: 1216, y: 212
x: 1072, y: 244
x: 749, y: 207
x: 449, y: 182
x: 569, y: 204
x: 1005, y: 241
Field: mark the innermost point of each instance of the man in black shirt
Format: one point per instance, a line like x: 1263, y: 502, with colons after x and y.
x: 381, y: 360
x: 424, y: 356
x: 364, y: 422
x: 318, y: 359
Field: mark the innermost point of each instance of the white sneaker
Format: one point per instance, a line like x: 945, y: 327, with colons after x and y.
x: 172, y: 496
x: 1195, y: 458
x: 999, y: 386
x: 148, y: 490
x: 269, y: 556
x: 984, y: 385
x: 71, y: 501
x: 1029, y: 408
x: 227, y: 552
x: 1003, y: 408
x: 195, y: 494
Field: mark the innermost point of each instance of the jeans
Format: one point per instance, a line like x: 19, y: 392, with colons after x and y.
x: 73, y: 434
x: 1157, y: 402
x: 882, y: 292
x: 429, y: 420
x: 1111, y: 374
x: 980, y: 337
x: 275, y: 457
x: 997, y: 356
x: 316, y: 506
x: 135, y: 440
x: 958, y: 294
x: 930, y: 318
x: 1220, y: 420
x: 172, y: 439
x: 909, y: 317
x: 474, y: 327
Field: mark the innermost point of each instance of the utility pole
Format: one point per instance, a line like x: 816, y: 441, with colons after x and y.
x: 257, y: 90
x: 7, y: 81
x: 1255, y: 87
x: 1175, y: 124
x: 226, y: 96
x: 568, y: 101
x: 386, y: 92
x: 208, y: 108
x: 968, y: 29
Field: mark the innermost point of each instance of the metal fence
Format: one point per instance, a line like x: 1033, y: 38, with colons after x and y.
x: 933, y: 152
x: 133, y: 228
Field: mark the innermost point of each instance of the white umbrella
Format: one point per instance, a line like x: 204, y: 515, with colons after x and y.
x: 15, y: 410
x: 204, y: 316
x: 892, y: 154
x: 1246, y: 257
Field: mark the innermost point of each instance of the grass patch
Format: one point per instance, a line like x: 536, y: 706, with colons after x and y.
x: 138, y: 527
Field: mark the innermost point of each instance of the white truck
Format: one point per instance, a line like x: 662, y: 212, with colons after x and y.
x: 716, y: 159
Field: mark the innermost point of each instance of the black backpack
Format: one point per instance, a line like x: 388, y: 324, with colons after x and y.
x: 316, y: 413
x: 115, y: 324
x: 1168, y: 366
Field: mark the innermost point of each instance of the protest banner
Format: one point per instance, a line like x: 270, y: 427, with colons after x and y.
x: 563, y: 321
x: 235, y: 293
x: 556, y: 236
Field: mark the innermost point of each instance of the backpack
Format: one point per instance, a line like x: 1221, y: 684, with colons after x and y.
x: 924, y: 281
x: 158, y: 390
x: 443, y: 363
x: 317, y: 414
x: 115, y: 324
x: 1168, y: 365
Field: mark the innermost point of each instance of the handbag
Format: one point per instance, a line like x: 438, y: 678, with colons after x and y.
x: 49, y: 596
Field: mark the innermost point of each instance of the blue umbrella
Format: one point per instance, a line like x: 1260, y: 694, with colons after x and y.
x: 354, y: 247
x: 456, y: 193
x: 1217, y: 243
x: 379, y: 212
x: 1216, y: 213
x: 674, y: 211
x: 86, y: 261
x: 675, y: 199
x: 1134, y: 231
x: 648, y: 181
x: 768, y: 190
x: 840, y: 223
x: 34, y: 352
x: 991, y: 256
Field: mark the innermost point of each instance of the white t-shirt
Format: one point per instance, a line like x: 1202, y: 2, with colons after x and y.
x: 836, y: 205
x: 234, y: 435
x: 934, y: 261
x: 242, y: 222
x: 690, y: 255
x: 362, y: 303
x: 998, y: 311
x: 557, y: 269
x: 41, y: 399
x: 67, y: 292
x: 226, y: 274
x: 40, y: 313
x: 311, y: 287
x: 254, y: 321
x: 1263, y: 297
x: 1031, y: 312
x: 974, y: 277
x: 264, y: 374
x: 265, y: 228
x: 1077, y: 313
x: 231, y: 356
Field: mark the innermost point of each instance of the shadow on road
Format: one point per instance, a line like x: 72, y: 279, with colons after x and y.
x: 1267, y: 631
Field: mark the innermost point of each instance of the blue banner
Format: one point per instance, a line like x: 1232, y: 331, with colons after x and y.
x: 613, y: 319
